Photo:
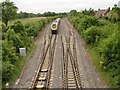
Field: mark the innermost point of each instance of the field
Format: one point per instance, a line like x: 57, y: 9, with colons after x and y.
x: 25, y: 20
x: 28, y: 20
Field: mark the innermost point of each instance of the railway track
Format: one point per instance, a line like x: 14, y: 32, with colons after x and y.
x: 42, y: 77
x: 55, y: 62
x: 70, y: 70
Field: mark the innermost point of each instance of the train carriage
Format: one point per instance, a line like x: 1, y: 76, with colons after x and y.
x: 55, y: 25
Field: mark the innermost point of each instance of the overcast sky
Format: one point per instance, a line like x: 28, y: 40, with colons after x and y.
x: 41, y: 6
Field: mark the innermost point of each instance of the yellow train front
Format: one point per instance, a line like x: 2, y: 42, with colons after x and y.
x: 54, y: 26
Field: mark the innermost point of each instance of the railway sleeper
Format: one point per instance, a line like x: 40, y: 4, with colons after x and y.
x: 44, y: 70
x: 71, y: 82
x: 42, y: 78
x: 72, y: 85
x: 40, y: 85
x: 71, y: 78
x: 42, y: 74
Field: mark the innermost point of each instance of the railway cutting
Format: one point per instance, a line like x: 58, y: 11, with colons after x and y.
x: 60, y: 61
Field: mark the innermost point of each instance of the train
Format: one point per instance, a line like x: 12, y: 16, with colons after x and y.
x: 55, y: 25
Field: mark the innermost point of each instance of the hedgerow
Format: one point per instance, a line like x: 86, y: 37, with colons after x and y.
x: 105, y: 37
x: 14, y: 37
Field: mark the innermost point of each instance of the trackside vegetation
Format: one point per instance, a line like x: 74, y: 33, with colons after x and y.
x: 17, y: 36
x: 102, y: 37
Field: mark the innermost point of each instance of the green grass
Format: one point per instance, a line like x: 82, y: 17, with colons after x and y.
x: 109, y: 80
x: 25, y: 20
x: 17, y: 71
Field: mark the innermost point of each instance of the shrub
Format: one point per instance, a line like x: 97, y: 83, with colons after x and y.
x: 18, y: 27
x: 17, y: 36
x: 92, y: 35
x: 110, y: 49
x: 105, y: 37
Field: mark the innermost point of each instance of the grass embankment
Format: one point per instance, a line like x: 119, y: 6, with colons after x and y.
x: 20, y: 33
x: 102, y: 40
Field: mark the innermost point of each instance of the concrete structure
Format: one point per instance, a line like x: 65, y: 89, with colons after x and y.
x: 22, y: 51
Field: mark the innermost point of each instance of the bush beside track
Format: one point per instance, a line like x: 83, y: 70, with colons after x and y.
x: 103, y: 42
x: 14, y: 37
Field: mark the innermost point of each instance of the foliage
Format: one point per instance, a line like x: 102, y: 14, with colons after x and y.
x: 110, y: 51
x: 46, y: 14
x: 89, y: 12
x: 114, y: 15
x: 8, y: 59
x: 105, y: 37
x: 73, y: 12
x: 92, y: 35
x: 82, y: 22
x: 25, y: 15
x: 15, y: 37
x: 49, y: 14
x: 7, y: 70
x: 18, y: 27
x: 9, y: 12
x: 33, y: 30
x: 108, y: 29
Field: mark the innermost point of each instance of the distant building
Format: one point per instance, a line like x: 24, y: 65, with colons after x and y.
x: 102, y: 12
x: 119, y: 4
x: 99, y: 13
x: 106, y: 13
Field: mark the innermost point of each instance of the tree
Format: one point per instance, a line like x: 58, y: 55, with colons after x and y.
x: 73, y: 11
x: 115, y: 5
x: 26, y: 15
x: 39, y: 15
x: 9, y: 12
x: 115, y: 14
x: 89, y: 12
x: 20, y: 15
x: 49, y: 14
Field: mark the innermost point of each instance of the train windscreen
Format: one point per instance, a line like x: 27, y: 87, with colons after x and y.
x: 54, y: 26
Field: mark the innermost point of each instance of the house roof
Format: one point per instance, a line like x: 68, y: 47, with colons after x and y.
x: 102, y: 12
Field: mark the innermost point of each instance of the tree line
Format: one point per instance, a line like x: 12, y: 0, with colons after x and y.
x: 9, y: 12
x: 46, y: 14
